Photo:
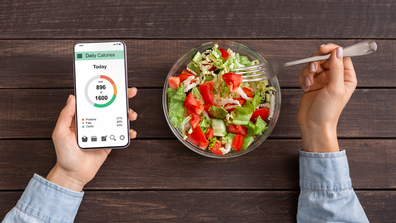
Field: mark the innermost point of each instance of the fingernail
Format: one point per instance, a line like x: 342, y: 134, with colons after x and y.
x: 135, y: 89
x: 322, y: 45
x: 304, y: 88
x: 135, y: 114
x: 68, y: 99
x: 312, y: 68
x: 307, y: 82
x: 339, y: 53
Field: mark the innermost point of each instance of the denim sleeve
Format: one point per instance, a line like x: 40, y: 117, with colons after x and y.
x: 326, y: 190
x: 44, y: 201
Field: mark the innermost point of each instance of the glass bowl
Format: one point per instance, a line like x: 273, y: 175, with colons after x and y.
x: 182, y: 63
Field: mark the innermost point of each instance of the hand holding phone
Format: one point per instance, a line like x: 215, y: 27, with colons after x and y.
x: 75, y: 167
x: 101, y: 83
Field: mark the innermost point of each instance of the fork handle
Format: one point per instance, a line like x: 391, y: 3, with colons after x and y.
x: 358, y: 49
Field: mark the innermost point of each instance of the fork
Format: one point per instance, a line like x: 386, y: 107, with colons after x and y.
x: 270, y: 69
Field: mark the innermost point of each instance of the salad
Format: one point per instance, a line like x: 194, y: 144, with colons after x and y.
x: 213, y: 108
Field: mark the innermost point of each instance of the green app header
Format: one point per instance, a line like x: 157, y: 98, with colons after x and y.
x: 99, y: 55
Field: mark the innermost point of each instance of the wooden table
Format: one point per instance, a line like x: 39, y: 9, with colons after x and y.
x: 157, y: 179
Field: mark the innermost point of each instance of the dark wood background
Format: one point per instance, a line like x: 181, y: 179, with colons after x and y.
x: 157, y: 179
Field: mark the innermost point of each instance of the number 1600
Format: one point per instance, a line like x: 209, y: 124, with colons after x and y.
x: 99, y: 98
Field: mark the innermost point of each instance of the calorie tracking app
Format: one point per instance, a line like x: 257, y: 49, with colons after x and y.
x: 100, y: 79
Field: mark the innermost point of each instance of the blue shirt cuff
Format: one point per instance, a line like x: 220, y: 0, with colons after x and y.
x: 49, y: 202
x: 324, y: 171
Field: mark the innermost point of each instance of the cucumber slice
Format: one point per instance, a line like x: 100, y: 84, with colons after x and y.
x: 208, y: 78
x: 267, y: 97
x: 244, y: 58
x: 219, y: 127
x: 194, y: 68
x: 246, y: 63
x: 197, y: 57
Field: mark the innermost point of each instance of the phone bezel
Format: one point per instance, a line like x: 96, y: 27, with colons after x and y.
x: 126, y: 92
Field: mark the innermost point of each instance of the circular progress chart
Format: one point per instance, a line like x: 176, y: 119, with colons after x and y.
x: 98, y: 91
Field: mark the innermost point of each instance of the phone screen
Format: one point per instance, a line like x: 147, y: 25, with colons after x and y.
x: 100, y: 79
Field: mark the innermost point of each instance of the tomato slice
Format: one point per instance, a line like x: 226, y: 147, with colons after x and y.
x: 237, y: 142
x: 184, y: 76
x: 193, y: 104
x: 224, y: 53
x: 248, y: 92
x: 209, y: 133
x: 174, y: 82
x: 232, y: 80
x: 198, y: 138
x: 237, y: 129
x: 186, y: 71
x: 206, y: 92
x: 262, y: 112
x: 241, y: 101
x: 215, y: 149
x: 195, y: 118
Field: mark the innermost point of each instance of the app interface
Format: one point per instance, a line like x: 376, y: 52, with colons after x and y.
x: 100, y: 84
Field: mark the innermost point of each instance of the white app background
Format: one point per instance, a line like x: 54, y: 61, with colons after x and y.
x: 101, y: 100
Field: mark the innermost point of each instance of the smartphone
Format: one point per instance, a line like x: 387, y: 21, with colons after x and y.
x: 101, y: 91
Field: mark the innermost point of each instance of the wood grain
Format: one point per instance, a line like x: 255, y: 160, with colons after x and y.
x: 32, y: 113
x: 169, y: 165
x: 49, y: 64
x: 203, y: 19
x: 157, y: 179
x: 204, y: 206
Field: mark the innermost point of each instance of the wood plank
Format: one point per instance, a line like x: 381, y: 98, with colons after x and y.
x: 32, y: 113
x: 169, y: 165
x: 48, y: 63
x: 179, y: 19
x: 204, y: 206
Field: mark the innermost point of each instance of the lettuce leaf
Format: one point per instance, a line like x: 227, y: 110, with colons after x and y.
x: 258, y: 128
x: 247, y: 141
x: 196, y: 92
x: 204, y: 124
x: 243, y: 114
x: 218, y: 112
x: 229, y: 137
x: 212, y: 142
x: 176, y: 98
x: 241, y: 119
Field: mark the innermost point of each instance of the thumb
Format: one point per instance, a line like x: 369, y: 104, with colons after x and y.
x: 336, y: 64
x: 67, y: 114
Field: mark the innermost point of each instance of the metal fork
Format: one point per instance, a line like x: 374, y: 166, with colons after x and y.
x: 270, y: 69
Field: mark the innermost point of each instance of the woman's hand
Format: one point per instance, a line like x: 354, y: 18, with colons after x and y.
x: 325, y: 96
x: 75, y: 167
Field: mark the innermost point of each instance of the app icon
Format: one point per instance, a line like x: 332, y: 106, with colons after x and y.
x: 122, y: 137
x: 94, y: 138
x: 84, y: 139
x: 112, y: 137
x: 104, y: 138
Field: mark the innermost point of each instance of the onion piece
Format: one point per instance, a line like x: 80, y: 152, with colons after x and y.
x: 206, y: 115
x: 243, y: 94
x: 187, y: 85
x: 221, y: 102
x: 272, y: 107
x: 227, y: 147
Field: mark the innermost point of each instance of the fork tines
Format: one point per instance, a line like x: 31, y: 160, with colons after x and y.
x: 249, y: 67
x: 258, y: 72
